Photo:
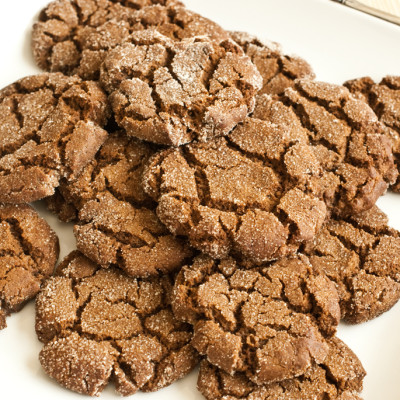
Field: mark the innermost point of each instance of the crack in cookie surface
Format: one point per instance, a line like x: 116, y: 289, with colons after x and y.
x: 28, y: 253
x: 100, y: 325
x: 269, y: 322
x: 51, y: 127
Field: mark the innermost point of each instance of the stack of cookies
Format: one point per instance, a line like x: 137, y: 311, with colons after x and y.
x: 223, y: 204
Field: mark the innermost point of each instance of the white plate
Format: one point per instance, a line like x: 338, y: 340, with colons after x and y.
x: 340, y: 44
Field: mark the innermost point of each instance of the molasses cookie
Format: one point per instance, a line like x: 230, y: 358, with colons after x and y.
x: 346, y: 137
x: 117, y: 167
x: 277, y: 69
x: 384, y: 99
x: 172, y: 93
x: 268, y: 322
x: 249, y: 193
x: 29, y: 251
x: 338, y: 378
x: 99, y: 325
x: 50, y: 127
x: 116, y: 233
x: 361, y: 255
x: 73, y: 36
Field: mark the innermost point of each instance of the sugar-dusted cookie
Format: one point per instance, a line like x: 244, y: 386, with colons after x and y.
x: 28, y: 254
x: 268, y: 322
x: 361, y: 255
x: 384, y: 99
x: 99, y: 325
x: 73, y: 36
x: 339, y: 377
x: 347, y: 138
x: 170, y: 92
x: 277, y: 69
x: 50, y: 127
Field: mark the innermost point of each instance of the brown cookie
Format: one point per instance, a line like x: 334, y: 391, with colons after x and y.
x: 117, y: 167
x: 268, y: 322
x: 73, y: 36
x: 384, y: 99
x: 361, y: 255
x: 50, y: 128
x: 29, y: 251
x: 338, y: 378
x: 346, y: 137
x: 114, y: 232
x: 100, y: 325
x: 278, y: 70
x: 170, y: 92
x: 249, y: 193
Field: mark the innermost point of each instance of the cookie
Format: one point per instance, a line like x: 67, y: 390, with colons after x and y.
x: 339, y: 377
x: 384, y: 99
x: 51, y: 127
x: 347, y: 138
x: 73, y: 36
x: 172, y: 93
x: 278, y: 70
x: 361, y: 255
x: 117, y: 167
x: 113, y: 232
x: 269, y: 322
x: 248, y: 194
x: 99, y: 325
x: 29, y: 251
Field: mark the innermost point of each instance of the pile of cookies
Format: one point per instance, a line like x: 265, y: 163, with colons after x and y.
x: 223, y: 204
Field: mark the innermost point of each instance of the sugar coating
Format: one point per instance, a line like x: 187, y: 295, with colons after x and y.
x: 98, y: 325
x: 249, y: 194
x: 171, y: 93
x: 28, y: 253
x: 50, y: 127
x: 339, y: 377
x: 346, y: 138
x: 73, y: 36
x: 268, y: 322
x: 278, y: 70
x: 361, y: 255
x: 384, y: 99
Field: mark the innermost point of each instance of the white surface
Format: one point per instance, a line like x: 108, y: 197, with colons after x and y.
x: 340, y: 44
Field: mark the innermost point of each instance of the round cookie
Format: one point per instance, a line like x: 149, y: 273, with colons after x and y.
x: 117, y: 167
x: 51, y: 127
x: 384, y: 99
x: 347, y: 139
x: 338, y: 378
x: 73, y: 36
x: 29, y: 251
x: 172, y: 93
x: 99, y: 325
x: 361, y: 255
x: 249, y: 193
x: 269, y: 322
x: 277, y: 69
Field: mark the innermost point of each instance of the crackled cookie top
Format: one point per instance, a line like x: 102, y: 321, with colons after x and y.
x: 347, y: 139
x: 269, y: 322
x: 28, y: 253
x: 98, y: 324
x: 117, y: 167
x: 384, y: 99
x: 171, y: 92
x: 50, y: 128
x: 73, y: 36
x: 249, y: 193
x: 361, y: 255
x: 277, y: 69
x: 338, y: 378
x: 114, y: 232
